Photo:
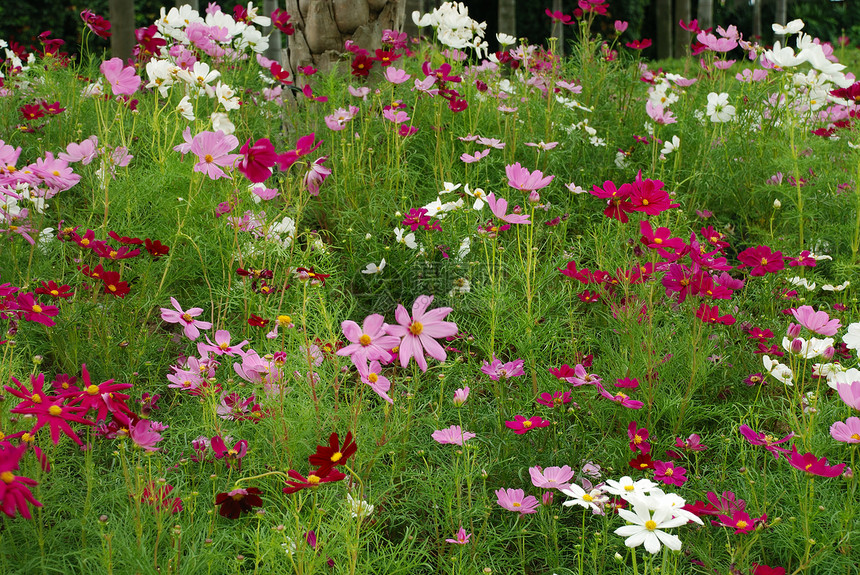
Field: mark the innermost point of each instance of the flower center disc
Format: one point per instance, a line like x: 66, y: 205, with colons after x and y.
x: 416, y: 328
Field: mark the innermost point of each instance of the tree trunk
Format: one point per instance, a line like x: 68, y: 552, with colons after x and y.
x: 705, y: 14
x: 322, y: 27
x: 682, y: 37
x: 781, y: 16
x: 420, y: 6
x: 122, y: 39
x: 558, y: 29
x: 664, y: 29
x: 757, y: 19
x: 508, y: 17
x: 274, y: 51
x: 195, y: 4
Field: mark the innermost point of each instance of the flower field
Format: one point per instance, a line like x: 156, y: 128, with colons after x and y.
x: 434, y: 310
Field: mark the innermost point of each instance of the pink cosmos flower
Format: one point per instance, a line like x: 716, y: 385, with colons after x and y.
x: 520, y: 425
x: 257, y: 160
x: 84, y: 152
x: 810, y: 464
x: 460, y: 396
x: 478, y: 156
x: 768, y: 441
x: 850, y: 393
x: 515, y: 500
x: 222, y: 345
x: 316, y: 175
x: 666, y: 472
x: 500, y: 206
x: 521, y: 179
x: 144, y: 436
x: 123, y: 81
x: 554, y: 399
x: 847, y: 431
x: 762, y: 260
x: 461, y: 537
x: 816, y: 321
x: 396, y: 76
x: 213, y: 152
x: 638, y: 438
x: 192, y: 326
x: 377, y: 382
x: 621, y: 398
x: 417, y: 333
x: 660, y: 114
x: 620, y: 26
x: 551, y: 477
x: 454, y: 435
x: 498, y: 370
x: 368, y: 342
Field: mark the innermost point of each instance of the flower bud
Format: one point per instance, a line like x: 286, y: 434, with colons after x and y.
x: 796, y: 345
x: 534, y: 197
x: 829, y: 353
x: 777, y: 204
x: 793, y: 330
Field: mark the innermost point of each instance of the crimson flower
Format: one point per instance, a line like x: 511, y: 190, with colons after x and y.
x: 257, y: 160
x: 660, y: 240
x: 281, y: 21
x: 125, y: 240
x: 361, y: 65
x: 558, y: 16
x: 333, y: 454
x: 53, y: 109
x: 639, y: 44
x: 101, y: 398
x: 235, y: 503
x: 741, y: 522
x: 257, y: 321
x: 57, y: 416
x: 97, y: 24
x: 56, y: 291
x: 113, y: 285
x: 31, y: 111
x: 762, y: 260
x: 520, y: 425
x: 315, y: 478
x: 304, y: 146
x: 14, y: 490
x: 638, y: 439
x: 812, y: 465
x: 155, y: 248
x: 556, y: 399
x: 229, y: 454
x: 668, y: 473
x: 642, y: 462
x: 712, y: 315
x: 159, y: 497
x: 31, y: 310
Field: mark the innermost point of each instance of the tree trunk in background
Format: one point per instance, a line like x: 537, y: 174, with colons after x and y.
x: 781, y: 16
x: 322, y: 27
x: 664, y: 29
x: 122, y: 40
x: 757, y: 20
x: 507, y: 17
x: 274, y: 51
x: 558, y: 29
x: 422, y: 6
x: 193, y: 3
x: 683, y: 12
x: 705, y: 14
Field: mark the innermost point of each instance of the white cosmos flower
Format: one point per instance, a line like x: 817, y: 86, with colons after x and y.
x: 840, y: 287
x: 592, y: 499
x: 358, y: 508
x: 372, y: 268
x: 719, y: 108
x: 792, y: 27
x: 406, y: 239
x: 479, y: 196
x: 505, y: 39
x: 186, y: 109
x: 625, y: 487
x: 852, y: 337
x: 647, y: 527
x: 671, y: 146
x: 781, y: 372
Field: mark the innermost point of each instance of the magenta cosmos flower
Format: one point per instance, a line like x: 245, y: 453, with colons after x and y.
x: 213, y: 152
x: 768, y: 441
x: 521, y: 179
x: 551, y: 477
x: 668, y: 473
x: 144, y: 436
x: 847, y: 431
x: 417, y: 333
x: 461, y: 537
x: 816, y: 321
x: 521, y: 425
x: 499, y: 206
x: 762, y: 260
x: 368, y: 342
x: 498, y: 370
x: 192, y: 326
x: 515, y: 500
x: 123, y: 81
x: 638, y: 438
x: 812, y: 465
x: 454, y: 435
x: 257, y: 160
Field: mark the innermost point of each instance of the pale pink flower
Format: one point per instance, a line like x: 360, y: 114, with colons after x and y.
x: 847, y: 431
x: 551, y: 477
x: 213, y: 152
x: 396, y: 76
x: 500, y: 206
x: 491, y: 142
x: 123, y: 81
x: 222, y: 345
x: 521, y: 179
x: 816, y: 321
x: 192, y: 326
x: 359, y: 92
x: 316, y: 175
x: 471, y: 159
x: 659, y: 114
x: 85, y: 152
x: 460, y: 396
x: 417, y: 333
x: 515, y: 500
x: 620, y: 26
x: 377, y: 382
x: 368, y: 342
x: 462, y: 538
x: 454, y: 435
x: 850, y: 393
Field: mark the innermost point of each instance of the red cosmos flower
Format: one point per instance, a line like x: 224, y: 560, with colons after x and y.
x: 88, y: 240
x: 308, y: 93
x: 315, y: 478
x: 556, y: 399
x: 257, y: 160
x: 113, y: 285
x: 159, y: 497
x: 125, y: 240
x: 712, y: 315
x: 281, y: 75
x: 741, y: 522
x: 418, y: 218
x: 31, y: 310
x: 101, y: 398
x: 107, y: 251
x: 639, y: 44
x: 281, y: 21
x: 767, y: 570
x: 53, y: 109
x: 57, y: 416
x: 229, y: 454
x: 385, y: 57
x: 588, y: 296
x: 768, y: 441
x: 257, y: 321
x: 32, y: 396
x: 309, y: 274
x: 31, y: 111
x: 642, y: 462
x: 95, y: 273
x: 558, y: 16
x: 304, y: 146
x: 521, y: 425
x: 334, y: 454
x: 691, y: 26
x: 98, y: 25
x: 235, y: 503
x: 582, y: 276
x: 14, y: 489
x: 52, y: 289
x: 660, y: 240
x: 638, y: 439
x: 761, y: 259
x: 361, y: 65
x: 649, y: 196
x: 812, y: 465
x: 256, y: 274
x: 155, y: 248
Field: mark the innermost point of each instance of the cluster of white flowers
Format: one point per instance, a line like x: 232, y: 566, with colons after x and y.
x: 454, y: 28
x: 174, y: 24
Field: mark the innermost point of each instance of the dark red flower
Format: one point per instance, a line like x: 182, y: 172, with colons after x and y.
x: 281, y: 21
x: 361, y: 65
x: 155, y: 248
x: 257, y: 321
x: 334, y: 454
x: 31, y: 111
x: 235, y: 503
x: 315, y: 478
x: 125, y: 240
x: 98, y: 25
x: 56, y: 291
x: 113, y: 285
x: 642, y: 462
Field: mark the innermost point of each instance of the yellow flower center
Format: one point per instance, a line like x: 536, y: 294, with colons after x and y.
x: 208, y: 158
x: 650, y: 525
x: 56, y: 173
x: 637, y: 439
x: 284, y: 320
x: 629, y: 488
x: 516, y: 504
x: 856, y: 436
x: 658, y: 241
x: 238, y: 497
x: 111, y: 287
x: 669, y: 472
x: 373, y: 378
x: 808, y: 465
x: 527, y: 423
x: 7, y: 477
x: 85, y: 242
x: 416, y: 328
x: 587, y: 498
x: 93, y: 389
x: 644, y: 202
x: 741, y: 524
x: 365, y: 339
x: 37, y: 308
x: 55, y: 293
x: 55, y: 410
x: 113, y: 253
x: 313, y: 479
x: 763, y: 261
x: 27, y: 438
x: 187, y: 318
x: 186, y: 383
x: 36, y: 398
x: 336, y: 457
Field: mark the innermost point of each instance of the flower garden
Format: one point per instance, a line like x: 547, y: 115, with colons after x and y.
x: 436, y: 310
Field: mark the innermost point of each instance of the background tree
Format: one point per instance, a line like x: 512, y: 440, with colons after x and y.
x: 705, y: 14
x: 122, y: 40
x: 665, y: 25
x: 507, y: 20
x: 682, y: 37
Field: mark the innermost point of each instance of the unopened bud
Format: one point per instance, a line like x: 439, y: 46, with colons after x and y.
x: 777, y: 204
x: 793, y: 330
